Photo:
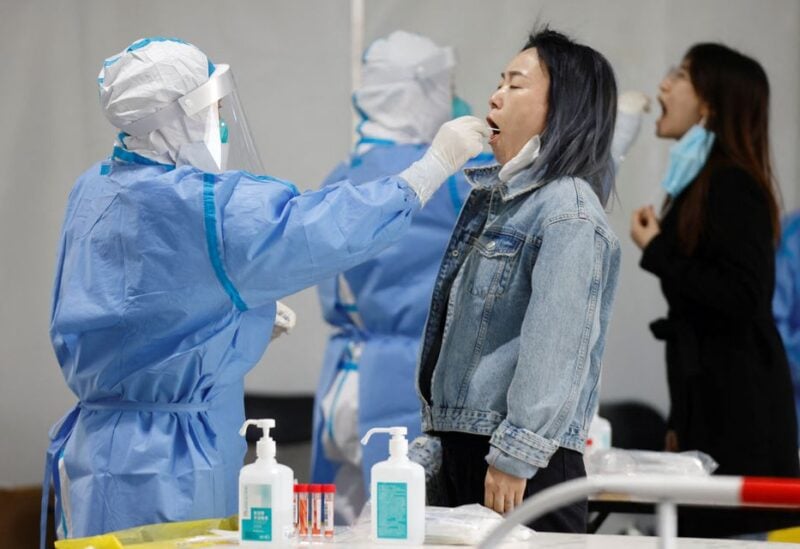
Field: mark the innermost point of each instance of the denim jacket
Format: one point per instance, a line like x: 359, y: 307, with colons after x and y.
x: 517, y: 325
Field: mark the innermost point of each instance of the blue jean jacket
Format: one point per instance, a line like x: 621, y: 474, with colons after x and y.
x: 517, y: 325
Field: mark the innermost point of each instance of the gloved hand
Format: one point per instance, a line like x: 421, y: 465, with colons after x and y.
x: 284, y: 321
x: 456, y: 142
x: 631, y: 106
x: 633, y: 102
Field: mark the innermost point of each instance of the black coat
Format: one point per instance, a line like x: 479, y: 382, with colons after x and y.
x: 730, y: 387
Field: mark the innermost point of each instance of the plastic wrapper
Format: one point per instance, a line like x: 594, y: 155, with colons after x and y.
x: 465, y: 525
x: 170, y: 535
x: 616, y: 461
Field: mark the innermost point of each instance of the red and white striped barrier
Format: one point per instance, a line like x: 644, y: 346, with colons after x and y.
x: 666, y: 491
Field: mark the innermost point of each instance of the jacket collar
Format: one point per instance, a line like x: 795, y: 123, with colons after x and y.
x: 486, y: 177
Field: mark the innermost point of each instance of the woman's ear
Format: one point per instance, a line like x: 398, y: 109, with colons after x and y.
x: 705, y: 111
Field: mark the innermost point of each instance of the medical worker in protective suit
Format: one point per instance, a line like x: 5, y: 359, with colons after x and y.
x: 173, y: 253
x: 378, y: 309
x: 786, y: 301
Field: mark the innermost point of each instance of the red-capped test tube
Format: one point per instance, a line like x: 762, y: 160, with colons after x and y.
x: 301, y: 518
x: 328, y: 491
x: 316, y: 510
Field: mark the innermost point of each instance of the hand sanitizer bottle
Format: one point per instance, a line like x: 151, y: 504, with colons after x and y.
x: 265, y: 495
x: 398, y: 493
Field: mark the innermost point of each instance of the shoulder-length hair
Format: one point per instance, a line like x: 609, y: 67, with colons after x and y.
x: 736, y: 90
x: 582, y: 109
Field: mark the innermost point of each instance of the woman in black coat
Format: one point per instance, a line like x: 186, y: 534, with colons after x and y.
x: 713, y: 250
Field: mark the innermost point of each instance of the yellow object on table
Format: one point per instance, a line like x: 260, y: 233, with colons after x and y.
x: 170, y: 535
x: 785, y: 535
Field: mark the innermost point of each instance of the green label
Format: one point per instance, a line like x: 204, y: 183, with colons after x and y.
x: 257, y: 512
x: 392, y: 501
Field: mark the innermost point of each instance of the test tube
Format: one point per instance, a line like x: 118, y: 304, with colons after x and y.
x: 328, y: 491
x: 301, y: 493
x: 316, y: 510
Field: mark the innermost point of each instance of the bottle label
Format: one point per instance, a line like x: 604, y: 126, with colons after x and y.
x: 392, y: 512
x: 256, y: 506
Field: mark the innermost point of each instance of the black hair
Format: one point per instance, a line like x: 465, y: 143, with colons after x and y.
x: 736, y: 89
x: 582, y: 109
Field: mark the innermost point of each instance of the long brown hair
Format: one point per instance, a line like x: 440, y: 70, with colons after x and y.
x: 736, y: 89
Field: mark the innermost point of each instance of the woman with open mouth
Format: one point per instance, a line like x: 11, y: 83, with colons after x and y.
x: 510, y: 362
x: 713, y: 249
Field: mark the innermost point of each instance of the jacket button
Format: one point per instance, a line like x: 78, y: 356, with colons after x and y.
x: 454, y: 253
x: 491, y: 245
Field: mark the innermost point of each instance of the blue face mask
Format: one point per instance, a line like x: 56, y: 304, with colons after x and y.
x: 460, y: 107
x: 686, y: 158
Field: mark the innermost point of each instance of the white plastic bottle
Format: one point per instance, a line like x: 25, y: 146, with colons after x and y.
x: 266, y: 492
x: 600, y: 433
x: 398, y: 493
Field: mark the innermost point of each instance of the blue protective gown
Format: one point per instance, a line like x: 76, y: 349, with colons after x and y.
x: 164, y: 299
x: 392, y: 294
x: 786, y: 302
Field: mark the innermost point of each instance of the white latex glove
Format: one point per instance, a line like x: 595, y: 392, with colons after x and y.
x: 285, y: 319
x: 631, y: 107
x: 456, y: 142
x: 633, y: 102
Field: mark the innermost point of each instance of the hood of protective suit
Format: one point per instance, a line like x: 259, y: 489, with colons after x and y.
x: 406, y: 91
x: 146, y: 77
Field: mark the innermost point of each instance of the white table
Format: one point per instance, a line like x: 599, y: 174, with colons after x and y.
x: 574, y: 541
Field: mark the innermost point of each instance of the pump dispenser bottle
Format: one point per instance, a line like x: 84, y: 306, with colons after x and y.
x: 398, y: 493
x: 265, y: 495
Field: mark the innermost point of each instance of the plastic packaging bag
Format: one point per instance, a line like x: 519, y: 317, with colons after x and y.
x: 616, y: 461
x: 170, y: 535
x: 465, y: 525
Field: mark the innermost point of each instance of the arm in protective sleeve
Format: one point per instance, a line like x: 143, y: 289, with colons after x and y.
x: 728, y: 279
x: 631, y: 106
x: 327, y: 289
x: 277, y: 242
x: 626, y: 130
x: 559, y: 331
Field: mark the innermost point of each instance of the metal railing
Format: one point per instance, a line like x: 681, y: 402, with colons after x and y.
x: 665, y: 491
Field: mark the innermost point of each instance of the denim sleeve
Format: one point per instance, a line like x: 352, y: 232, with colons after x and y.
x: 561, y: 325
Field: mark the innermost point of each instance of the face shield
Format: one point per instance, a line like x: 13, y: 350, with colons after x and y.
x: 214, y: 118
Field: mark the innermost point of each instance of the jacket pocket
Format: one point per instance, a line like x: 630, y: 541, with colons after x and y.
x: 487, y: 270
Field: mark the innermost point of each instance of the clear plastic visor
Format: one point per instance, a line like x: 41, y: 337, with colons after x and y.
x: 216, y: 131
x: 227, y: 142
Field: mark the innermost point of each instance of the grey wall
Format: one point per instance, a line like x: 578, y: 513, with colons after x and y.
x: 291, y: 62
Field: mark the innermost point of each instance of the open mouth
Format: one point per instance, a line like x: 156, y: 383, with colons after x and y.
x: 663, y: 108
x: 495, y: 130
